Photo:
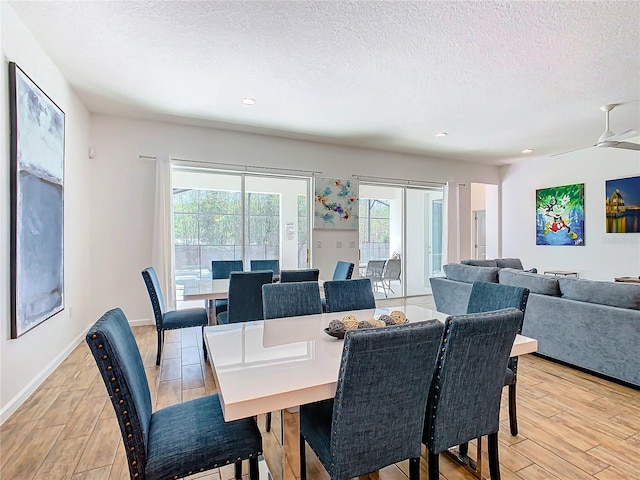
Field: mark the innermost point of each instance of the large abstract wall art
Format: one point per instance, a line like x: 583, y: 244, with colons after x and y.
x: 37, y: 209
x: 336, y: 204
x: 560, y: 215
x: 622, y: 205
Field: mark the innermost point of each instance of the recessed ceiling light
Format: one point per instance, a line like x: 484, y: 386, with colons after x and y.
x: 440, y: 134
x: 248, y: 101
x: 527, y: 150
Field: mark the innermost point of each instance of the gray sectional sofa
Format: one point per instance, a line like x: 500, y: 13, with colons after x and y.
x: 589, y: 324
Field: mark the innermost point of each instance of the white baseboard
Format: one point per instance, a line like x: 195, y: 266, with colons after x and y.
x: 141, y: 322
x: 15, y: 403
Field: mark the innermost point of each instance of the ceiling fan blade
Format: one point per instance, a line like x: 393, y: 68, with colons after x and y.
x: 570, y: 151
x: 627, y: 145
x: 622, y: 136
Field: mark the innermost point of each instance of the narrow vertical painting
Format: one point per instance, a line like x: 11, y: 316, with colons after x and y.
x: 37, y: 209
x: 336, y: 204
x: 622, y: 205
x: 560, y: 215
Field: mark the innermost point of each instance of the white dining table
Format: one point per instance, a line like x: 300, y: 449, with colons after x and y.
x: 271, y: 365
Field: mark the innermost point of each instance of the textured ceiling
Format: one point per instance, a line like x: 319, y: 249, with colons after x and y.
x: 497, y: 76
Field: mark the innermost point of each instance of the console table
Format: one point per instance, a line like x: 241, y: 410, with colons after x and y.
x: 627, y: 279
x: 561, y: 273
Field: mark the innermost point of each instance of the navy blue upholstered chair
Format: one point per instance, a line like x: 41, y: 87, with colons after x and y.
x: 486, y: 297
x: 273, y: 265
x: 343, y: 270
x: 289, y: 300
x: 307, y: 275
x: 464, y: 400
x: 245, y: 296
x: 175, y: 441
x: 343, y: 295
x: 172, y: 319
x: 220, y: 269
x: 376, y: 416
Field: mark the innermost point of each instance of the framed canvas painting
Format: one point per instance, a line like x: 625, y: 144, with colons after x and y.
x: 37, y: 209
x: 622, y: 205
x: 336, y: 204
x: 560, y: 215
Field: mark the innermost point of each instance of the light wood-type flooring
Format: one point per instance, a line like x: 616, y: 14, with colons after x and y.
x: 572, y: 425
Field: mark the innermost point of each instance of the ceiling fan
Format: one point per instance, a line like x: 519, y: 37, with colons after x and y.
x: 608, y: 138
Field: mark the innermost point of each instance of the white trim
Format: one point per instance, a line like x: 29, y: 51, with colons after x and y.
x: 16, y: 402
x: 141, y: 322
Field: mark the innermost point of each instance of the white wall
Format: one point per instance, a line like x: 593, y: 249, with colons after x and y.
x: 123, y: 192
x: 604, y: 256
x: 25, y: 362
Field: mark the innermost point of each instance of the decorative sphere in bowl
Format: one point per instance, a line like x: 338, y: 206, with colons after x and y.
x: 398, y: 317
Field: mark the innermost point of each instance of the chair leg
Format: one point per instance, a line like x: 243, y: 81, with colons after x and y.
x: 160, y: 338
x: 254, y: 471
x: 204, y: 346
x: 434, y: 466
x: 303, y: 459
x: 463, y: 449
x: 414, y: 468
x: 268, y: 425
x: 513, y: 417
x: 238, y: 475
x: 494, y: 464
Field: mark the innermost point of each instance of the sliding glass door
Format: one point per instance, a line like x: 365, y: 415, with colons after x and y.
x: 401, y: 227
x: 424, y: 238
x: 237, y: 216
x: 276, y: 220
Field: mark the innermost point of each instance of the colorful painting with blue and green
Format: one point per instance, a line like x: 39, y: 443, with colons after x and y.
x: 560, y: 215
x: 336, y: 204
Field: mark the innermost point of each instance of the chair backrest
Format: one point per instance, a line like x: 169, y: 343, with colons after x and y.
x: 343, y: 270
x: 116, y: 353
x: 221, y: 269
x: 343, y: 295
x: 307, y: 275
x: 385, y: 376
x: 464, y: 401
x: 290, y: 299
x: 486, y: 297
x: 392, y: 269
x: 273, y: 265
x: 245, y: 295
x: 155, y: 294
x: 375, y: 268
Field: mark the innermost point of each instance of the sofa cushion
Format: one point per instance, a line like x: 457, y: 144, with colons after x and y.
x: 479, y: 263
x: 540, y: 284
x: 470, y: 274
x: 509, y: 263
x: 622, y: 295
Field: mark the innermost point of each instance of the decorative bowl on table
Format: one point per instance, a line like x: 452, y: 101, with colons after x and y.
x: 337, y: 328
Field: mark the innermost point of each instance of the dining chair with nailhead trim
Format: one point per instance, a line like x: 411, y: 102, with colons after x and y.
x: 464, y: 400
x: 376, y: 416
x: 171, y: 319
x: 175, y: 441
